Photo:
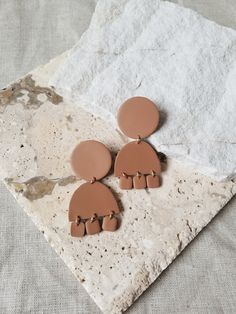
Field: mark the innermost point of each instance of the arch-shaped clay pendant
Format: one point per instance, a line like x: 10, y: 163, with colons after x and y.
x: 92, y: 201
x: 137, y: 164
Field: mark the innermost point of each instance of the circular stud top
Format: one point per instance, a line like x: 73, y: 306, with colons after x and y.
x: 138, y: 117
x: 91, y: 160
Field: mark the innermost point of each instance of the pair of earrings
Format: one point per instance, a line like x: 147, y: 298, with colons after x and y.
x: 137, y: 166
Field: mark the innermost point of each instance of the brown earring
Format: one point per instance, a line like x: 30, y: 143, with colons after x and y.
x: 137, y: 164
x: 92, y: 201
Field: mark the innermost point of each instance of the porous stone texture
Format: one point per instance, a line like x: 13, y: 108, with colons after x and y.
x: 185, y: 63
x: 38, y: 132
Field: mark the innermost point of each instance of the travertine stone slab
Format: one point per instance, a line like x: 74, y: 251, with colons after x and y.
x: 38, y: 131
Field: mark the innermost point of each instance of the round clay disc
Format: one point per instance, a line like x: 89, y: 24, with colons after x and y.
x: 138, y: 117
x: 91, y: 159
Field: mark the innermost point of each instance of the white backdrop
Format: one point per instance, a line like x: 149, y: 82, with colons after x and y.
x: 33, y: 279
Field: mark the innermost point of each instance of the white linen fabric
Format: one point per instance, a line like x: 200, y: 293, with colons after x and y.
x: 33, y: 279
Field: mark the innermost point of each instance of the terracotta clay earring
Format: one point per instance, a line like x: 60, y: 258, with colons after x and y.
x: 92, y: 201
x: 137, y: 164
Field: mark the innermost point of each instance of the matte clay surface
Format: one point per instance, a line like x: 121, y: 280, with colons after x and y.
x: 136, y: 157
x: 92, y: 227
x: 138, y: 117
x: 125, y: 182
x: 109, y: 223
x: 92, y: 198
x: 91, y: 159
x: 77, y: 229
x: 139, y: 182
x: 153, y: 181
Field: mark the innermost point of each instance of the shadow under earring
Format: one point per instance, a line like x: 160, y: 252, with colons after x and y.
x: 92, y: 201
x: 137, y: 164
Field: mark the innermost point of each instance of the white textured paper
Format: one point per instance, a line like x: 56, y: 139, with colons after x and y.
x: 185, y: 63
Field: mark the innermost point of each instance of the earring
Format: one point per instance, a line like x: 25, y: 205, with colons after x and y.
x: 92, y: 201
x: 137, y: 164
